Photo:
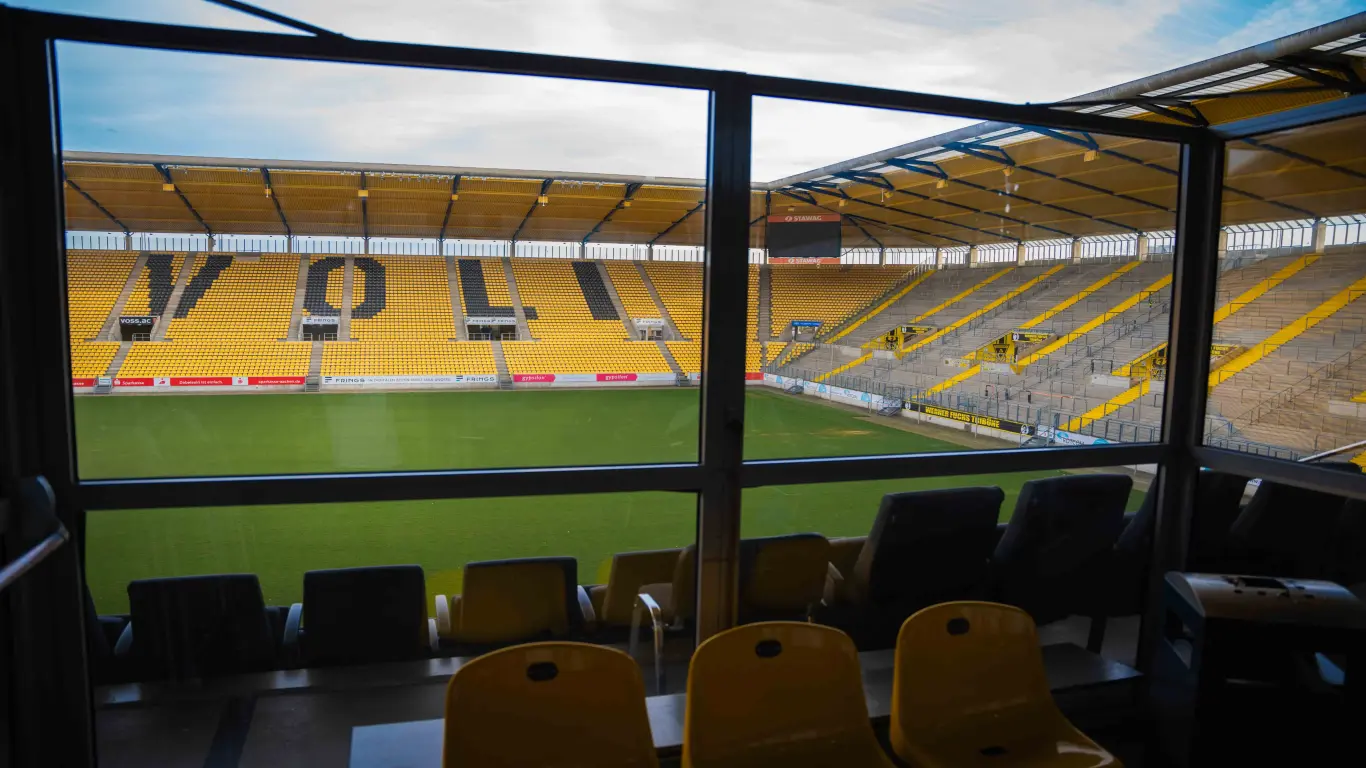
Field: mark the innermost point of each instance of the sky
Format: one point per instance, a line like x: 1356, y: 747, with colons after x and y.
x: 123, y: 100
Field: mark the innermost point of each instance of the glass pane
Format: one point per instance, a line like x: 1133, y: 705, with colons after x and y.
x: 937, y: 547
x: 995, y: 286
x: 1286, y: 376
x: 611, y: 545
x: 456, y: 314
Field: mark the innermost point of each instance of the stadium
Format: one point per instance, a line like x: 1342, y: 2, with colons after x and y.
x: 898, y: 289
x: 329, y: 433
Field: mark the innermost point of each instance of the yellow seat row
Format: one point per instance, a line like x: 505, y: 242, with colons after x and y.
x: 829, y: 294
x: 584, y: 357
x: 425, y: 358
x: 250, y: 299
x: 969, y: 689
x: 219, y: 358
x: 417, y: 301
x: 94, y: 280
x: 562, y: 313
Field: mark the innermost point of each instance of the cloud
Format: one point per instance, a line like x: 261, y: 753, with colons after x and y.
x: 1025, y: 50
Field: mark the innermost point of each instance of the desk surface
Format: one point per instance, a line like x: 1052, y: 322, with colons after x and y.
x: 417, y: 744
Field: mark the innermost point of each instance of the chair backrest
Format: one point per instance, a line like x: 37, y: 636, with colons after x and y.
x: 508, y: 601
x: 1062, y: 527
x: 961, y: 663
x: 1284, y: 530
x: 1218, y: 496
x: 769, y: 686
x: 782, y: 576
x: 928, y: 546
x: 200, y: 626
x: 631, y: 570
x: 362, y: 615
x: 548, y: 704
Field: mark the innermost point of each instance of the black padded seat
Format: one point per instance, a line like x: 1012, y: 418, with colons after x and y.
x: 1060, y: 535
x: 362, y: 615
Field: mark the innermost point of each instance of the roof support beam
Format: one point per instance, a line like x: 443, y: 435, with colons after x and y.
x: 166, y: 178
x: 855, y: 221
x: 679, y: 221
x: 1304, y: 158
x: 545, y: 189
x: 365, y: 212
x: 915, y: 165
x: 631, y: 189
x: 865, y: 177
x: 844, y: 195
x: 983, y: 151
x: 450, y: 203
x: 1326, y: 71
x: 270, y: 192
x: 1243, y: 193
x: 90, y: 199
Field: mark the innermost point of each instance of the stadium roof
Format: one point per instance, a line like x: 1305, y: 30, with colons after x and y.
x: 986, y: 183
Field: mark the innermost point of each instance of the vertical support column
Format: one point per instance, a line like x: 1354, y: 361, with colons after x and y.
x: 1076, y: 250
x: 1195, y: 273
x: 127, y: 241
x: 212, y: 244
x: 1320, y: 235
x: 289, y: 243
x: 1019, y: 254
x: 938, y: 258
x: 1222, y: 247
x: 881, y: 256
x: 649, y: 251
x: 1142, y: 247
x: 583, y: 250
x: 972, y: 256
x: 726, y: 285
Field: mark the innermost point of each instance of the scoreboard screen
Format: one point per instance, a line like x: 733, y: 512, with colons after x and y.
x: 804, y: 239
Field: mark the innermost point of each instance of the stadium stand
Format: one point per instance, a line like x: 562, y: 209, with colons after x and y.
x: 825, y: 293
x: 635, y: 297
x: 94, y: 280
x: 153, y: 289
x: 404, y: 358
x: 680, y: 288
x: 416, y: 304
x: 323, y: 286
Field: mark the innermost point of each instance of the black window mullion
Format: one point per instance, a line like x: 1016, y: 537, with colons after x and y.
x: 1195, y: 274
x: 45, y: 645
x: 725, y: 309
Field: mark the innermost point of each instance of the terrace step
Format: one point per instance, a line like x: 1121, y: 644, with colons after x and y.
x: 765, y: 318
x: 659, y: 302
x: 669, y: 357
x: 523, y: 328
x: 348, y: 295
x: 109, y: 331
x: 457, y: 310
x: 296, y: 315
x: 117, y: 362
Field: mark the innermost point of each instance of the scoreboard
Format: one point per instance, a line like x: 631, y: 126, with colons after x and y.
x: 804, y: 238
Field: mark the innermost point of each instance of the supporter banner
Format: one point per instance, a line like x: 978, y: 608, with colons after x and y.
x: 489, y: 320
x: 976, y: 419
x: 649, y: 322
x: 201, y: 381
x: 802, y: 260
x: 615, y: 376
x: 82, y: 382
x: 143, y: 381
x: 268, y: 381
x: 749, y: 376
x: 533, y: 378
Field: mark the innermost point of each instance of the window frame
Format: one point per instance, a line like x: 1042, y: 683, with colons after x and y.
x: 47, y: 606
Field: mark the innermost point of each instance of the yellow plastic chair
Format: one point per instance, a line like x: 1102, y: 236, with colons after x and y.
x: 556, y: 705
x: 970, y: 690
x: 613, y: 601
x: 778, y: 693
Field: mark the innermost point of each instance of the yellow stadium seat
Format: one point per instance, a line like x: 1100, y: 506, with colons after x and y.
x: 556, y: 705
x: 613, y: 601
x: 512, y: 601
x: 778, y: 693
x: 970, y: 690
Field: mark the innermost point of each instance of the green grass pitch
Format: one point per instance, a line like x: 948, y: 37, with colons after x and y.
x: 238, y: 434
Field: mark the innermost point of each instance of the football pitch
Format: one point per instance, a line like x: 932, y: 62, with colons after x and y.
x: 176, y: 435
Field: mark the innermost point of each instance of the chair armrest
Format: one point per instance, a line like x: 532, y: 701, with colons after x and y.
x: 590, y: 618
x: 834, y: 585
x: 289, y: 645
x: 443, y: 616
x: 124, y: 646
x: 433, y: 636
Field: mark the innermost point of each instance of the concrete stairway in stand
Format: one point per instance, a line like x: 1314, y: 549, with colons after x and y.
x: 117, y: 363
x: 626, y: 321
x: 457, y: 309
x: 110, y: 330
x: 659, y: 302
x: 296, y: 315
x: 523, y: 328
x: 765, y: 303
x: 348, y: 295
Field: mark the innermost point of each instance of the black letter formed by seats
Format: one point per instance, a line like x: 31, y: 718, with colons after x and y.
x: 201, y: 282
x: 374, y: 289
x: 315, y: 286
x: 476, y: 293
x: 595, y: 291
x: 159, y: 282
